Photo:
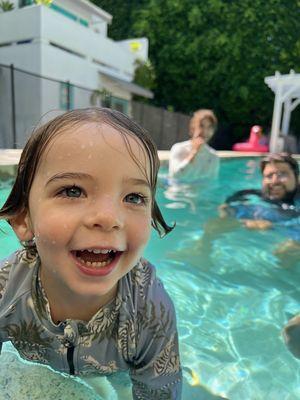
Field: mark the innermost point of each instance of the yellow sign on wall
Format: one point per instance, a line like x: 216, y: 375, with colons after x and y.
x: 135, y: 46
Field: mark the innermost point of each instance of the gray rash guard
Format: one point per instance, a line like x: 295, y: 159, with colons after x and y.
x: 135, y: 332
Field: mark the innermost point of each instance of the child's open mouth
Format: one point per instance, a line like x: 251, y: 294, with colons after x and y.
x: 95, y: 258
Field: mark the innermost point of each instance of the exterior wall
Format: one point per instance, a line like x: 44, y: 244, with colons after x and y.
x: 28, y: 103
x: 20, y: 24
x: 26, y: 56
x: 43, y: 41
x: 61, y: 65
x: 44, y: 24
x: 96, y: 20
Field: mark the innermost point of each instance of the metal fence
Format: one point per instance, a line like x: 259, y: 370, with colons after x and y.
x: 28, y: 99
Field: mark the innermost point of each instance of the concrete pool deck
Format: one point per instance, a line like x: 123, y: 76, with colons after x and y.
x: 9, y: 158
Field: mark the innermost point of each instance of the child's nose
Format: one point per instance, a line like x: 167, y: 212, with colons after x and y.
x: 105, y: 215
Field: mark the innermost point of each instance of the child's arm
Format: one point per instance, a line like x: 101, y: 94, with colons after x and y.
x: 156, y: 373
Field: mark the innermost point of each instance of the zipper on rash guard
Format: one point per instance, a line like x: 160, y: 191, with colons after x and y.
x: 70, y: 353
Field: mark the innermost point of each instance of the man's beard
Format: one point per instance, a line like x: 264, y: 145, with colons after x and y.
x: 288, y: 196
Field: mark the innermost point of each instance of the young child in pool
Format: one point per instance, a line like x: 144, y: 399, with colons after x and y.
x: 79, y: 297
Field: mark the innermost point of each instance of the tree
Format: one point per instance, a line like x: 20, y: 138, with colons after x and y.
x: 215, y: 53
x: 124, y: 16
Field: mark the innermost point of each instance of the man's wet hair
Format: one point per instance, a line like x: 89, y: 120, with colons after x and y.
x: 281, y: 158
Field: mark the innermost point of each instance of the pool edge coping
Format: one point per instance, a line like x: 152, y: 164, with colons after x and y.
x: 9, y: 158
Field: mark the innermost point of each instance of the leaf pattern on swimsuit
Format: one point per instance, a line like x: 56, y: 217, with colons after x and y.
x: 167, y: 362
x: 156, y: 323
x: 91, y: 365
x: 28, y: 339
x: 141, y: 277
x: 28, y: 257
x: 103, y: 323
x: 126, y: 339
x: 143, y: 392
x: 4, y: 273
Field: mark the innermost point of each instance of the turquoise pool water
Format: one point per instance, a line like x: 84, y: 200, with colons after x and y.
x: 232, y: 301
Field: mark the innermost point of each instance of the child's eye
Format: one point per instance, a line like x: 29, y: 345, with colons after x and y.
x: 71, y: 191
x: 136, y: 198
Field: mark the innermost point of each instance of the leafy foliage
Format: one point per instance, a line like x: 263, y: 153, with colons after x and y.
x: 6, y: 5
x: 215, y: 53
x: 124, y: 13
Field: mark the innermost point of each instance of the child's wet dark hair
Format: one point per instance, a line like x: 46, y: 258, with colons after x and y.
x: 281, y: 158
x: 17, y: 201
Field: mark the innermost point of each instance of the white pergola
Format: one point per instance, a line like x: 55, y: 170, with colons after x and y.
x: 287, y: 97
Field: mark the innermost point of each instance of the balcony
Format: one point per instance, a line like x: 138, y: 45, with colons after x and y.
x: 42, y: 24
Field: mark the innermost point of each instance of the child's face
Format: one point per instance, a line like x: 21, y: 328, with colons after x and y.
x: 89, y: 210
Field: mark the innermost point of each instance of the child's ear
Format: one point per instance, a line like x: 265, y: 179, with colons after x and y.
x: 21, y: 225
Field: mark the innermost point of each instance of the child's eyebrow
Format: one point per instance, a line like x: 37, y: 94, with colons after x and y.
x: 68, y: 175
x: 81, y: 176
x: 137, y: 182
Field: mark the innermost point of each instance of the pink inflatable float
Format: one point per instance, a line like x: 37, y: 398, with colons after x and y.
x: 253, y: 143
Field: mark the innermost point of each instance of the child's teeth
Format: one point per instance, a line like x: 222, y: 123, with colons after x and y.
x: 94, y: 264
x: 97, y: 251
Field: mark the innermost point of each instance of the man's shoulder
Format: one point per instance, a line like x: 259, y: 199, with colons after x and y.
x: 297, y: 194
x: 243, y: 195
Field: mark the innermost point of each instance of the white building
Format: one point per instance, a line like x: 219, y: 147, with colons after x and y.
x: 67, y: 43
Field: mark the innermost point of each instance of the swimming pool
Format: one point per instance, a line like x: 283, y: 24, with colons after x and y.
x: 231, y: 304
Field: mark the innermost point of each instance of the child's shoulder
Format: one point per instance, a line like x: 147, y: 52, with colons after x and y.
x: 14, y: 270
x: 147, y: 286
x: 143, y: 274
x: 18, y: 258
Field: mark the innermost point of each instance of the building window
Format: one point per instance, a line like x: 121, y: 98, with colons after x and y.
x: 66, y: 96
x: 119, y: 104
x: 24, y: 3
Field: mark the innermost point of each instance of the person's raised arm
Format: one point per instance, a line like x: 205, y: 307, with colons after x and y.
x: 182, y: 156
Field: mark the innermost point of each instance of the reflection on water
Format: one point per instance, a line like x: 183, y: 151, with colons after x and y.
x: 232, y: 296
x: 232, y: 300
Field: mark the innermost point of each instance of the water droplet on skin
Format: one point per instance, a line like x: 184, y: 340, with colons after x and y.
x: 89, y: 156
x: 83, y: 146
x: 53, y: 242
x: 91, y: 144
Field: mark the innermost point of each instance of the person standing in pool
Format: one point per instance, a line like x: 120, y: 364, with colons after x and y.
x: 79, y: 297
x: 194, y: 160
